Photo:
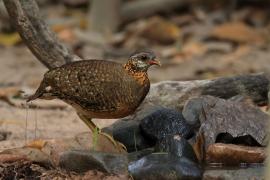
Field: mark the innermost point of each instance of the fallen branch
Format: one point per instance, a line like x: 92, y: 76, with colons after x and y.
x: 43, y: 43
x: 142, y: 8
x: 174, y: 94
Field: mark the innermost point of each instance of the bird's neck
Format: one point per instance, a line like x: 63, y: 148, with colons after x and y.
x: 139, y: 76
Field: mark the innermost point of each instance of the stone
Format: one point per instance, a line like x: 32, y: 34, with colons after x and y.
x: 82, y: 160
x: 164, y: 122
x: 134, y: 156
x: 164, y: 166
x: 177, y: 146
x: 129, y: 133
x: 192, y: 111
x: 228, y: 121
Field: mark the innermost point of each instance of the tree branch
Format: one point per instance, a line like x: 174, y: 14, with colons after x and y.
x: 36, y: 34
x: 174, y: 94
x: 142, y: 8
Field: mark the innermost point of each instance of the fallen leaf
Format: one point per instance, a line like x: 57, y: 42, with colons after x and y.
x: 67, y: 35
x: 9, y: 91
x: 194, y: 49
x: 237, y: 32
x: 9, y: 39
x: 37, y: 144
x: 161, y: 30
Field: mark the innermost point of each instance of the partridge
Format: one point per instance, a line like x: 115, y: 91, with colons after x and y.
x: 99, y: 88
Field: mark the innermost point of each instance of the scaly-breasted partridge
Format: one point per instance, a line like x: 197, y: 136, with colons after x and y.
x: 99, y: 88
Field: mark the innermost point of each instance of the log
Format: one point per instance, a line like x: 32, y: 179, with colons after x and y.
x: 36, y: 34
x: 174, y: 94
x: 142, y: 8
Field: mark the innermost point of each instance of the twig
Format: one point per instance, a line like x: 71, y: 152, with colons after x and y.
x: 43, y: 43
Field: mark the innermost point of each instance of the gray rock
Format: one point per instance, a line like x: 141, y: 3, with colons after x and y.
x: 82, y: 161
x: 162, y: 166
x: 192, y: 111
x: 165, y: 122
x: 134, y: 156
x: 129, y: 133
x: 245, y: 123
x: 177, y: 146
x: 127, y: 130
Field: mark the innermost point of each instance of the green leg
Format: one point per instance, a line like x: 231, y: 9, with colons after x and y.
x: 88, y: 121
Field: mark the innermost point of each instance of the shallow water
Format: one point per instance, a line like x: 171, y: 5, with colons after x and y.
x: 213, y: 166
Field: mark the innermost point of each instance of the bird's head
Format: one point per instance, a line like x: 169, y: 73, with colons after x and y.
x: 141, y: 61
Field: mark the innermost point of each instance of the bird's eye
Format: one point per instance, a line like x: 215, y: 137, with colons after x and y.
x: 143, y: 57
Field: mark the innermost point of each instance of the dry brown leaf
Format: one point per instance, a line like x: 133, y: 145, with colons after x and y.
x: 67, y: 35
x: 37, y: 144
x: 161, y: 30
x: 194, y: 49
x: 9, y: 91
x: 9, y: 39
x: 237, y: 32
x: 6, y: 92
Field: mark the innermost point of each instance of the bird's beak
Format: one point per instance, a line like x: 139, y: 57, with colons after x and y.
x: 155, y: 62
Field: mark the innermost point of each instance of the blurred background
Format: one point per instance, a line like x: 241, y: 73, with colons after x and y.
x: 193, y: 39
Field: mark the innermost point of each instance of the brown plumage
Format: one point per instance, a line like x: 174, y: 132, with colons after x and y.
x: 98, y: 88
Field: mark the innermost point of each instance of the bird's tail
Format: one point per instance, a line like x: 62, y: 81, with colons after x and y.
x: 39, y: 92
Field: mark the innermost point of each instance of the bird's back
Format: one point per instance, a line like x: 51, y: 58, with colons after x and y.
x: 97, y: 88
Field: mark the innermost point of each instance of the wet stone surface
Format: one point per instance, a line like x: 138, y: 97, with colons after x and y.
x: 176, y: 146
x: 129, y: 133
x: 164, y: 166
x: 82, y: 161
x: 164, y: 122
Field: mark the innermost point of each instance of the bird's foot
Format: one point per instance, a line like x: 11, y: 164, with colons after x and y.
x: 117, y: 144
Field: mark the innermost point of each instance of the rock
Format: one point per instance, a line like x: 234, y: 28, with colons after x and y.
x: 81, y: 161
x: 234, y: 174
x: 129, y: 133
x: 123, y: 130
x: 164, y: 122
x: 227, y: 121
x: 134, y: 156
x: 191, y: 112
x: 164, y: 166
x: 176, y: 146
x: 83, y: 141
x: 230, y: 154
